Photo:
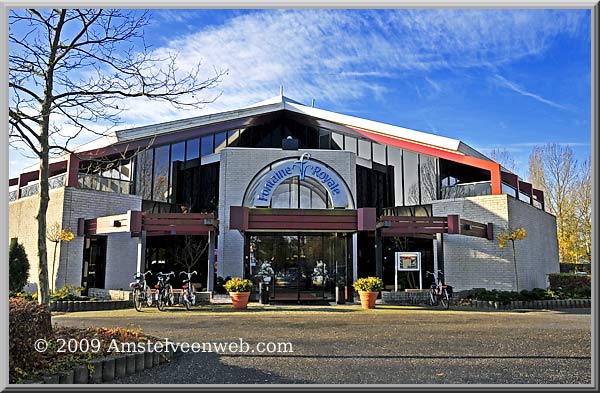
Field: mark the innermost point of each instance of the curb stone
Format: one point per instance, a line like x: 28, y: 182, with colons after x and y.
x: 107, y: 368
x: 96, y: 372
x: 67, y: 377
x: 81, y: 374
x: 130, y: 361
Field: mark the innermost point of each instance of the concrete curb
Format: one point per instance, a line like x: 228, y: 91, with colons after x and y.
x: 106, y: 369
x: 535, y: 304
x: 411, y: 300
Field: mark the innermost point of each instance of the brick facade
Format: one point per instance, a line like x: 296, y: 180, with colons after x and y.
x: 66, y: 206
x: 471, y: 262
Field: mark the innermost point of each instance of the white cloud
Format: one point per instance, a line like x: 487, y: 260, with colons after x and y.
x: 340, y: 56
x: 337, y: 55
x: 503, y: 82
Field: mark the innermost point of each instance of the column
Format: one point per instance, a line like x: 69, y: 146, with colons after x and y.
x: 378, y: 254
x: 210, y: 282
x: 141, y: 252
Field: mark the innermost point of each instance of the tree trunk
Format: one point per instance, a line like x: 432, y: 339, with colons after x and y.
x: 52, y: 280
x: 43, y: 290
x: 515, y: 262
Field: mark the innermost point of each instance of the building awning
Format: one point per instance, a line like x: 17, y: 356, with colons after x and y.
x: 160, y: 224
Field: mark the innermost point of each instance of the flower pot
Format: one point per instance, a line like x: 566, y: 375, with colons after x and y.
x: 239, y: 300
x: 367, y: 299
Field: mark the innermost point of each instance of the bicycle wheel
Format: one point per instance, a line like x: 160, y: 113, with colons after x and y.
x: 187, y: 303
x: 160, y: 302
x: 433, y: 298
x: 137, y: 299
x: 170, y: 296
x: 444, y: 299
x: 149, y: 297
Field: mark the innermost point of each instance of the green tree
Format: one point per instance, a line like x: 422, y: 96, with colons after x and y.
x: 18, y: 267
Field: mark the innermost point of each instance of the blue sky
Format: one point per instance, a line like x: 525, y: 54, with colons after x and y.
x: 491, y: 78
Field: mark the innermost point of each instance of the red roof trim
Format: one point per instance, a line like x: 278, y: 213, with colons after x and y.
x: 491, y: 166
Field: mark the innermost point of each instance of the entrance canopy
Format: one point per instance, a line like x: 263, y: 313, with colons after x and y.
x: 161, y: 224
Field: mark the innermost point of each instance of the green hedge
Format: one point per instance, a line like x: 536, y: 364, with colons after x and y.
x: 28, y: 321
x: 506, y: 297
x: 567, y: 280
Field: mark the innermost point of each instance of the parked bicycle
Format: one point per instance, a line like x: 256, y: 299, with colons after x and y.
x: 141, y: 291
x: 440, y: 292
x: 164, y: 291
x: 188, y: 298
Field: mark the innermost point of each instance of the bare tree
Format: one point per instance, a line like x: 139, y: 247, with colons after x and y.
x: 554, y: 170
x: 70, y: 69
x: 504, y: 158
x: 194, y: 248
x: 583, y: 211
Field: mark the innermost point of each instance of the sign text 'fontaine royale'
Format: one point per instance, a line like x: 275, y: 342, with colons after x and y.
x: 302, y: 168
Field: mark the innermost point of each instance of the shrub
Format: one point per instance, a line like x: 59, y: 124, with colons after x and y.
x: 67, y: 292
x: 18, y: 267
x: 236, y: 284
x: 506, y: 297
x: 567, y: 280
x: 219, y: 288
x: 28, y: 321
x: 22, y: 295
x: 369, y: 284
x: 572, y: 293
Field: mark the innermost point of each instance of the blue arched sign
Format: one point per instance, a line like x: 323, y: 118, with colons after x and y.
x: 302, y: 168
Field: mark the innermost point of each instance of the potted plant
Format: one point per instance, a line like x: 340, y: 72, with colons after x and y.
x: 368, y: 288
x: 239, y: 290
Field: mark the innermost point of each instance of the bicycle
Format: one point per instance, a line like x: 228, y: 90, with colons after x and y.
x: 164, y: 291
x: 439, y: 292
x: 188, y: 298
x: 141, y: 291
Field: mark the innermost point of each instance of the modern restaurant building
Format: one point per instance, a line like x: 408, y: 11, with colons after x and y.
x: 322, y: 197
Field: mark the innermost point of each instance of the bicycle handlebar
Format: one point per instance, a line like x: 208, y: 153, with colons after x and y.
x: 165, y: 274
x: 142, y: 274
x: 188, y: 273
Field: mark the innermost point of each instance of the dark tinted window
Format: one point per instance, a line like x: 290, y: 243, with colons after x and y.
x: 206, y: 146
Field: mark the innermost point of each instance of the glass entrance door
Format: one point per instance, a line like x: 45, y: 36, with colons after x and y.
x: 304, y: 267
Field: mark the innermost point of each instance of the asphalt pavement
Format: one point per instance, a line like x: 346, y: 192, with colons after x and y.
x: 347, y: 345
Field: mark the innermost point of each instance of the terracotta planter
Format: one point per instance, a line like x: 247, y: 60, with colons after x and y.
x: 239, y: 300
x: 367, y: 299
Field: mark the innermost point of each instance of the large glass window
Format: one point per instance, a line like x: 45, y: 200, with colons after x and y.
x: 192, y: 149
x: 233, y: 138
x: 206, y: 146
x: 177, y: 158
x: 395, y: 171
x: 161, y: 174
x: 307, y: 194
x: 220, y: 141
x: 305, y: 267
x: 411, y: 178
x: 324, y: 139
x: 429, y: 178
x: 144, y: 174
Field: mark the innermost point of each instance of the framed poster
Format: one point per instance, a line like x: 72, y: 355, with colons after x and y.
x: 408, y: 261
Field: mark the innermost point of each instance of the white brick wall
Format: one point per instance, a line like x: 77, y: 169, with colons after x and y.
x: 471, y: 262
x: 66, y: 206
x: 238, y: 168
x: 121, y: 249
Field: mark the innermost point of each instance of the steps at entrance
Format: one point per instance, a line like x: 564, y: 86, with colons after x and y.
x: 292, y: 298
